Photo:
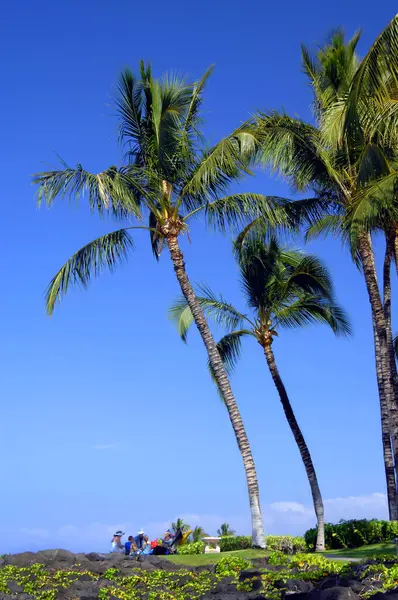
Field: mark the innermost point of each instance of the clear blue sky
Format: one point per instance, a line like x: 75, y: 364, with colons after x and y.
x: 107, y: 418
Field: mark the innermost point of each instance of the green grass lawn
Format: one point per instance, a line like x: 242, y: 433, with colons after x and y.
x: 194, y: 560
x: 364, y: 551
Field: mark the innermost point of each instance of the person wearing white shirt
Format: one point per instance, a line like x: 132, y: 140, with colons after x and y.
x: 116, y: 544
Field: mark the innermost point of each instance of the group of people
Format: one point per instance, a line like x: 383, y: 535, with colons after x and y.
x: 141, y: 544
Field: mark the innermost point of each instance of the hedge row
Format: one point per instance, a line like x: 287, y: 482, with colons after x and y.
x: 281, y: 543
x: 354, y: 533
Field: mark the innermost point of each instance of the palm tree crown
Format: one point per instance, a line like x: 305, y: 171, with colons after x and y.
x: 225, y: 530
x: 168, y: 177
x: 180, y: 524
x: 283, y: 289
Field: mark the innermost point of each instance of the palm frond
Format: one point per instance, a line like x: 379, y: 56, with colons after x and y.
x: 333, y: 123
x: 107, y: 251
x: 110, y: 191
x: 223, y: 313
x: 309, y: 65
x: 292, y: 148
x: 380, y: 122
x: 174, y: 148
x: 373, y: 164
x: 192, y: 119
x: 309, y: 309
x: 233, y: 212
x: 181, y: 315
x: 378, y: 71
x: 311, y: 276
x: 229, y: 348
x: 157, y: 240
x: 307, y: 210
x: 284, y: 218
x: 258, y: 264
x: 214, y: 170
x: 329, y: 224
x: 373, y: 206
x: 129, y: 102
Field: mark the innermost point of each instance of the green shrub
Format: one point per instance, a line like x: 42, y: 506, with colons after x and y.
x: 111, y: 573
x: 235, y: 542
x: 231, y: 565
x: 354, y: 533
x: 194, y: 548
x: 311, y: 562
x: 278, y: 558
x: 286, y: 543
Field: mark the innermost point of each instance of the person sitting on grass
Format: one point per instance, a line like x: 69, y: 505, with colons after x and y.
x: 147, y: 547
x: 116, y: 544
x: 168, y: 539
x: 139, y: 540
x: 129, y: 545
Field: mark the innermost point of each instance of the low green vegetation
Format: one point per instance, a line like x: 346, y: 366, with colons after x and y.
x: 47, y: 584
x: 41, y: 583
x: 283, y: 543
x: 195, y: 560
x: 192, y: 548
x: 387, y: 549
x: 354, y: 534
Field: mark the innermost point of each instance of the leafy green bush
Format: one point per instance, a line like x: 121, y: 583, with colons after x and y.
x: 46, y: 584
x: 111, y: 573
x: 286, y: 543
x: 235, y: 542
x: 311, y: 562
x: 281, y: 543
x: 278, y: 558
x: 231, y: 565
x: 379, y: 573
x: 354, y: 533
x: 194, y: 548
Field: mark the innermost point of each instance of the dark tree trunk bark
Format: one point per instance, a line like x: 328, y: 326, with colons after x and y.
x: 224, y: 386
x: 302, y: 446
x: 388, y: 258
x: 389, y: 255
x: 386, y: 440
x: 380, y: 336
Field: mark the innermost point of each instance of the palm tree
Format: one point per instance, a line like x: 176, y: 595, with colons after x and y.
x: 180, y: 524
x: 283, y: 289
x: 225, y: 530
x: 169, y: 177
x: 198, y: 533
x: 347, y: 163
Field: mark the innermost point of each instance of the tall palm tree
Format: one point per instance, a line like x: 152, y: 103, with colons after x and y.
x: 169, y: 177
x: 198, y: 533
x: 225, y: 530
x: 180, y: 524
x: 283, y: 288
x: 347, y: 162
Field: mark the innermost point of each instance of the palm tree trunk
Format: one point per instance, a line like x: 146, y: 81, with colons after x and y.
x: 380, y: 336
x: 396, y: 248
x: 386, y: 440
x: 302, y: 446
x: 258, y: 538
x: 391, y: 478
x: 389, y: 254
